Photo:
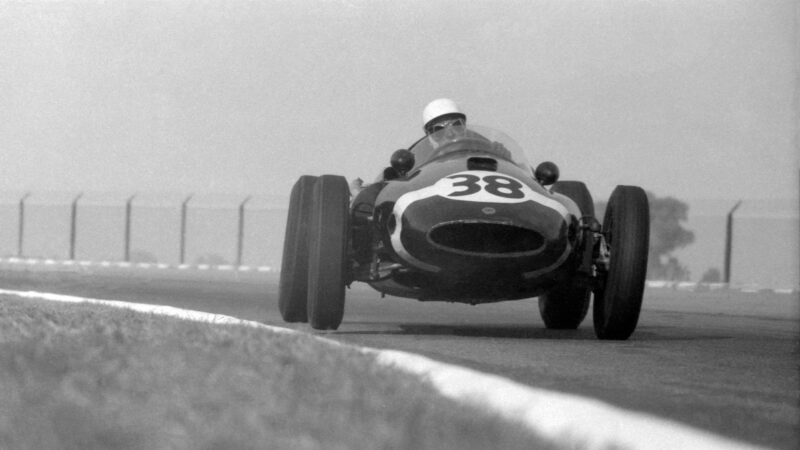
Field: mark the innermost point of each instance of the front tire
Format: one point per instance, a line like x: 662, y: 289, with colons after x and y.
x: 327, y: 262
x: 566, y: 305
x: 618, y: 298
x: 293, y: 285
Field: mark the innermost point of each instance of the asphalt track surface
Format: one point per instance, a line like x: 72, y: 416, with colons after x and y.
x: 722, y: 361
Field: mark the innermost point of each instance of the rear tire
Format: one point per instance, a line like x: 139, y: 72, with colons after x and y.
x: 565, y: 306
x: 293, y: 286
x: 327, y: 262
x: 618, y: 298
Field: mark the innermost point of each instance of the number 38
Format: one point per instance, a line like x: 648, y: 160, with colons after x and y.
x: 494, y: 184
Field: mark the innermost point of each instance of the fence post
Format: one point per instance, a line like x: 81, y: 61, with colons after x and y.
x: 184, y: 208
x: 21, y: 231
x: 729, y: 242
x: 128, y: 213
x: 73, y: 226
x: 240, y: 237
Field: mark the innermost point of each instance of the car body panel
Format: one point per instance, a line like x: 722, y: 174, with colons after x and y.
x: 469, y: 223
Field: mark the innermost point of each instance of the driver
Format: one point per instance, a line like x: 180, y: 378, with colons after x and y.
x: 445, y: 122
x: 440, y: 114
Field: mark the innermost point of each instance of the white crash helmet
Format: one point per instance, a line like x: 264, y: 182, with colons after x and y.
x: 438, y: 110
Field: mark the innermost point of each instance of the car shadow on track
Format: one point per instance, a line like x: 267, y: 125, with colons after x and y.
x: 518, y: 331
x: 511, y: 331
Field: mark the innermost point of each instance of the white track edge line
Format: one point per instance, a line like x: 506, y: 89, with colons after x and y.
x: 131, y: 265
x: 565, y: 418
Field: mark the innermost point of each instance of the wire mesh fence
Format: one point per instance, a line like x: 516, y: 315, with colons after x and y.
x: 163, y: 228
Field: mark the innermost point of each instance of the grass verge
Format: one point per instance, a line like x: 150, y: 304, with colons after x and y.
x: 86, y: 376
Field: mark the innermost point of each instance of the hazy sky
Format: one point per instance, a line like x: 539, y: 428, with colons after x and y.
x: 685, y: 98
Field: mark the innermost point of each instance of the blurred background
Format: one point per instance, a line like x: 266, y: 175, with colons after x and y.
x: 697, y: 102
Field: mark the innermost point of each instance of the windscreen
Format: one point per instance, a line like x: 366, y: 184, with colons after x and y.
x: 468, y: 139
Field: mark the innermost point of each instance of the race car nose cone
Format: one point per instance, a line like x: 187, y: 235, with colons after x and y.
x: 439, y: 235
x: 479, y: 220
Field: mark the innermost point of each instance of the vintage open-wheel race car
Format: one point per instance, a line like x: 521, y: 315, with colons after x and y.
x: 461, y: 216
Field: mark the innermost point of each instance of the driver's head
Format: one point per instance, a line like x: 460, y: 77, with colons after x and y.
x: 440, y: 114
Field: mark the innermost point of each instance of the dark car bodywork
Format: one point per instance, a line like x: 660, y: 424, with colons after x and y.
x: 467, y: 222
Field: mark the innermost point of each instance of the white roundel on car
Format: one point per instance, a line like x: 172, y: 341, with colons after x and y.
x: 480, y: 186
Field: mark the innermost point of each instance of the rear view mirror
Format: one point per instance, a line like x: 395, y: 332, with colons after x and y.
x: 546, y: 173
x: 402, y: 161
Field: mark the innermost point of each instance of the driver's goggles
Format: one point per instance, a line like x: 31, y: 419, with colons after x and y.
x: 439, y: 126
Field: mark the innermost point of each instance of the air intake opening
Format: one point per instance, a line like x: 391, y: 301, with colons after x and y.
x: 478, y: 163
x: 483, y: 238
